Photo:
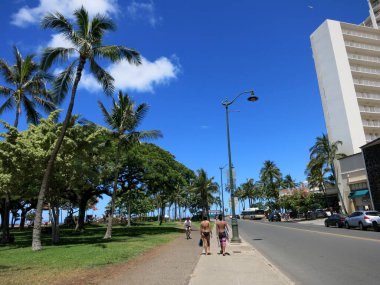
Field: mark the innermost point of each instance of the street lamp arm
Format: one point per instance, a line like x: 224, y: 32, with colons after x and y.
x: 226, y: 103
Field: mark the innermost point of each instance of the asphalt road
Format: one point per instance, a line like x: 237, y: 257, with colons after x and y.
x: 313, y: 254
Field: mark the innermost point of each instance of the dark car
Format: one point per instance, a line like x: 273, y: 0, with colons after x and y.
x: 274, y: 217
x: 320, y: 213
x: 335, y: 220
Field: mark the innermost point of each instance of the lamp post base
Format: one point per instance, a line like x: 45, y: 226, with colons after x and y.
x: 235, y: 232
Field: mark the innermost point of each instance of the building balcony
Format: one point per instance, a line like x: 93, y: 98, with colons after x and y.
x: 359, y: 59
x: 366, y: 49
x: 369, y: 112
x: 371, y: 125
x: 364, y: 82
x: 371, y: 136
x: 362, y: 37
x: 365, y: 72
x: 368, y: 98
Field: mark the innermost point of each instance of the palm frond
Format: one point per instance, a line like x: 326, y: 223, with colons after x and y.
x: 18, y: 58
x: 103, y: 77
x: 82, y: 20
x: 116, y: 53
x: 31, y: 113
x: 6, y: 71
x: 99, y: 25
x: 47, y: 105
x: 5, y: 90
x: 51, y: 55
x: 57, y: 22
x: 140, y: 113
x: 7, y: 105
x: 107, y: 116
x: 63, y: 82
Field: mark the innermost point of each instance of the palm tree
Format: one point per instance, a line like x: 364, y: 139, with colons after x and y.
x: 123, y: 120
x: 26, y: 88
x: 86, y: 37
x: 289, y: 182
x: 205, y: 187
x: 249, y: 190
x: 323, y: 154
x: 270, y: 176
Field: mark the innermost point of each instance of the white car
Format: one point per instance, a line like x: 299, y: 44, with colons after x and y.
x: 363, y: 220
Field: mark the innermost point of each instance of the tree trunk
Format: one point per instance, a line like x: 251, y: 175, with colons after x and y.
x: 36, y: 241
x: 108, y: 234
x: 175, y: 211
x: 129, y: 214
x: 55, y: 233
x: 162, y: 213
x: 339, y: 194
x: 18, y: 110
x: 81, y: 214
x: 6, y: 237
x: 22, y: 219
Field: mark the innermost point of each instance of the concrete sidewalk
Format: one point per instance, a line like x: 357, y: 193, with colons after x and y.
x: 243, y: 265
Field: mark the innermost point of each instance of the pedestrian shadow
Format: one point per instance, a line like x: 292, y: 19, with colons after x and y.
x: 257, y: 239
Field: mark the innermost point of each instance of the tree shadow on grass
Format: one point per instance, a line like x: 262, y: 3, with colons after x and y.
x: 92, y: 235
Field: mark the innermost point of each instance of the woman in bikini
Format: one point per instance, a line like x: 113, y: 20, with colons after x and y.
x: 206, y: 234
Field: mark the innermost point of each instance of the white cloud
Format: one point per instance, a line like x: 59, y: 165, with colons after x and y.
x: 145, y: 76
x: 144, y: 11
x: 142, y: 78
x: 58, y: 40
x: 89, y: 83
x: 27, y: 15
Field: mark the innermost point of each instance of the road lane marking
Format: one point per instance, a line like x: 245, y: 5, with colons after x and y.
x: 331, y: 234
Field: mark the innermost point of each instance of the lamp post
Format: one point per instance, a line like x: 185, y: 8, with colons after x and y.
x: 226, y: 104
x: 221, y: 187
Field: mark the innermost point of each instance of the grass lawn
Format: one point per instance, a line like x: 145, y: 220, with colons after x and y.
x: 77, y: 252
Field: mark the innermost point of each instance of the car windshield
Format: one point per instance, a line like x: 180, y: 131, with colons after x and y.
x: 373, y: 213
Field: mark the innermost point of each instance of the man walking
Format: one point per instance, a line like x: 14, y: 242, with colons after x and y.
x: 222, y: 232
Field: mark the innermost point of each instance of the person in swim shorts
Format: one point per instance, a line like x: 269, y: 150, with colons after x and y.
x: 206, y: 234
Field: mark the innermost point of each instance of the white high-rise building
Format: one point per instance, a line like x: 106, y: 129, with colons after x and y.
x: 347, y: 61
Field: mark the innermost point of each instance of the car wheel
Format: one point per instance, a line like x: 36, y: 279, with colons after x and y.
x: 376, y: 227
x: 326, y: 224
x: 347, y: 225
x: 362, y: 227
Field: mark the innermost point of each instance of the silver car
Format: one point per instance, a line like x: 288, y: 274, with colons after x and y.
x: 363, y: 220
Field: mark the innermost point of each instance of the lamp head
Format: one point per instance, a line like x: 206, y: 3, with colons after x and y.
x: 252, y: 97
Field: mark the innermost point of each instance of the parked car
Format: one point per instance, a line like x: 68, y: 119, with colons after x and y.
x: 274, y: 217
x: 363, y: 220
x: 335, y: 220
x: 320, y: 213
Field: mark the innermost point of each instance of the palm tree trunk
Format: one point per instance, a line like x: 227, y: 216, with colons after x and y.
x: 18, y: 112
x: 339, y: 194
x: 36, y: 242
x: 108, y: 234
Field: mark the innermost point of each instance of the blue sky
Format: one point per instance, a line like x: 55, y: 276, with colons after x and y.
x: 196, y: 53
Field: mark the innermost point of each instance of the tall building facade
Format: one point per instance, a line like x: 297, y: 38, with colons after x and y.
x: 347, y: 62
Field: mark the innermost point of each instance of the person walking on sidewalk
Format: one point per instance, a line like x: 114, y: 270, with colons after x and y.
x: 221, y: 231
x: 206, y: 234
x: 187, y: 225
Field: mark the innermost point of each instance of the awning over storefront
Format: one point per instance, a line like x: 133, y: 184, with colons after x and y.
x: 358, y: 193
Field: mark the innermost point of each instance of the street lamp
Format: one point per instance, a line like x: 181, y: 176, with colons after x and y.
x: 226, y: 103
x: 221, y: 187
